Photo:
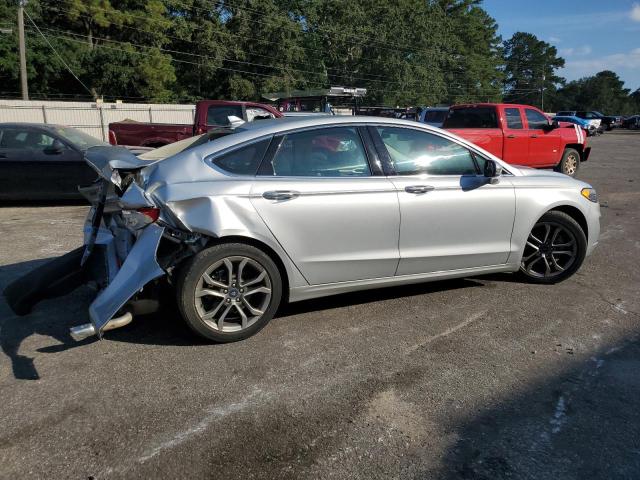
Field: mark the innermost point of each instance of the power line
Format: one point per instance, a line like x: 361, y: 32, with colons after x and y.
x: 285, y: 69
x: 56, y: 52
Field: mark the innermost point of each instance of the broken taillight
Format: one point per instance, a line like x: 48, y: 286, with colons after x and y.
x: 140, y: 218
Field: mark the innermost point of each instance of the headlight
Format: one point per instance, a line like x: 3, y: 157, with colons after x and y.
x: 590, y: 194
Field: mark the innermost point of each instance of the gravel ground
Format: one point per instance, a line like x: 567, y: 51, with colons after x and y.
x: 482, y: 378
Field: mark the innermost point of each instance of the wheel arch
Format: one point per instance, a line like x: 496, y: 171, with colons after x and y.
x: 574, y: 213
x: 578, y: 147
x: 266, y: 249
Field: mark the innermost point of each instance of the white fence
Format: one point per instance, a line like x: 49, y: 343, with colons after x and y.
x: 93, y: 117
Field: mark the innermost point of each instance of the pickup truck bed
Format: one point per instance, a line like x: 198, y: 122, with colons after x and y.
x: 147, y: 134
x: 209, y: 114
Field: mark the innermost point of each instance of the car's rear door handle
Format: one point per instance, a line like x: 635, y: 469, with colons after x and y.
x: 3, y: 155
x: 281, y: 194
x: 511, y: 136
x: 419, y: 189
x: 534, y: 136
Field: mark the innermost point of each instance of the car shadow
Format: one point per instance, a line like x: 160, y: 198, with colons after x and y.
x: 583, y: 422
x: 53, y: 318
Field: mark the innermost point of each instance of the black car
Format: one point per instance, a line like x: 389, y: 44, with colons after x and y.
x: 606, y: 122
x: 632, y: 122
x: 43, y: 162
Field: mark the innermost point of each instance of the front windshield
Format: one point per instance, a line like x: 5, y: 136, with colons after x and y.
x: 78, y: 138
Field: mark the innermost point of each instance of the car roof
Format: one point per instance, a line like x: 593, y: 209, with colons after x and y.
x: 271, y: 126
x: 47, y: 126
x: 508, y: 105
x: 257, y: 129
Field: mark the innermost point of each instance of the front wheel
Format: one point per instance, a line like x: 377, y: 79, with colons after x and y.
x: 570, y: 162
x: 229, y: 292
x: 555, y: 249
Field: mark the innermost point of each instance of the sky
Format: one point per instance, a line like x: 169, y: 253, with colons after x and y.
x: 591, y: 35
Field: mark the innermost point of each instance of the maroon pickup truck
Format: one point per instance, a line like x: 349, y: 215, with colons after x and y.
x: 521, y: 135
x: 209, y: 114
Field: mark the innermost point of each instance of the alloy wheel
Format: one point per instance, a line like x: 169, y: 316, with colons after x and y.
x: 233, y: 293
x: 550, y: 250
x: 570, y: 165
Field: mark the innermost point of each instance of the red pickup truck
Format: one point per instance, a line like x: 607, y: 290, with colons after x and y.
x: 520, y: 135
x: 209, y: 114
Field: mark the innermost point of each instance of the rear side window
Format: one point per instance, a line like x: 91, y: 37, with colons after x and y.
x: 514, y: 121
x: 219, y: 114
x: 325, y: 152
x: 535, y: 119
x: 243, y: 161
x: 472, y: 117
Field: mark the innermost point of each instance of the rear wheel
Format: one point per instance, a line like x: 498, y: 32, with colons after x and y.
x: 229, y: 292
x: 570, y: 162
x: 555, y: 249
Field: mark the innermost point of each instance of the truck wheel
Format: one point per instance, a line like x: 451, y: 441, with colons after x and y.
x: 570, y: 162
x: 229, y: 292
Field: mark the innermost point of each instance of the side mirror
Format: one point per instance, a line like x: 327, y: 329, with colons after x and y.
x: 552, y: 126
x: 492, y: 169
x: 55, y: 148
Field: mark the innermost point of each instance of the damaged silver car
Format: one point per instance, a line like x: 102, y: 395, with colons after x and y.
x: 292, y: 209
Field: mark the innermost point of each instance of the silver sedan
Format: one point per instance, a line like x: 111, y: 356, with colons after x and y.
x: 291, y: 209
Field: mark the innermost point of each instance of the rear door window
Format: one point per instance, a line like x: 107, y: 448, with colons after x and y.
x: 219, y: 114
x: 325, y: 152
x: 514, y: 120
x: 472, y: 117
x: 435, y: 116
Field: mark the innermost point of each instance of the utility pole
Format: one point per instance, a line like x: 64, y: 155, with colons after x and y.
x: 23, y: 54
x: 542, y: 94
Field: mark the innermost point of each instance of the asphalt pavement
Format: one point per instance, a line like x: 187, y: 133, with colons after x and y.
x: 480, y: 378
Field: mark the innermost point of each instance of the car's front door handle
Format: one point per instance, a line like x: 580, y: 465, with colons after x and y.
x: 534, y: 136
x: 281, y: 194
x: 419, y: 189
x: 3, y: 155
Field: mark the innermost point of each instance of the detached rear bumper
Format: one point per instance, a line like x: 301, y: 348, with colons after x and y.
x: 118, y: 283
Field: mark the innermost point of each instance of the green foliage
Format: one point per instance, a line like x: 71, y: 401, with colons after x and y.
x: 405, y: 52
x: 529, y: 67
x: 602, y: 92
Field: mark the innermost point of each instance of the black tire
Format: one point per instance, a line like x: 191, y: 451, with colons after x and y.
x: 190, y: 277
x: 570, y: 163
x: 571, y: 228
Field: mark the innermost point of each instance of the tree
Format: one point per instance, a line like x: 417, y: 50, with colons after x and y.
x: 603, y: 92
x: 474, y: 57
x: 529, y: 68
